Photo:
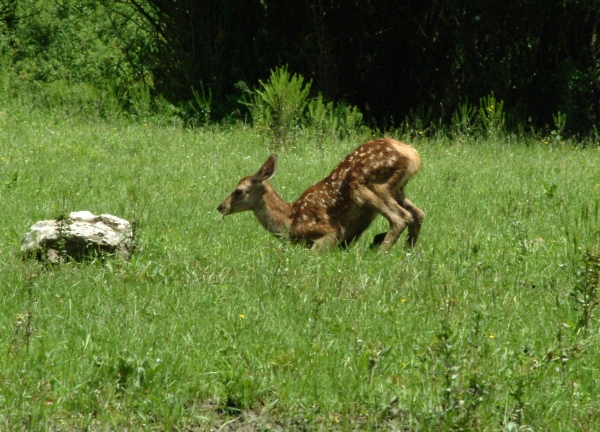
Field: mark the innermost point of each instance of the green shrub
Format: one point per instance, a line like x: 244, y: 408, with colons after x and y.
x: 560, y: 123
x: 277, y: 107
x: 464, y: 121
x: 281, y: 107
x: 336, y: 121
x: 492, y: 116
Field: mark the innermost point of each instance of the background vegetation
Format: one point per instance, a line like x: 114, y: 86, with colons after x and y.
x: 392, y: 59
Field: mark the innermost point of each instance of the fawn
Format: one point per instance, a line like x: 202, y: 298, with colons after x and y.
x: 338, y: 209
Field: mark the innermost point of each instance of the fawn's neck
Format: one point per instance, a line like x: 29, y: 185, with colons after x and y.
x: 273, y: 213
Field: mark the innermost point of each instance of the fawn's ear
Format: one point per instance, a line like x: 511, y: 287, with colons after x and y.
x: 266, y: 171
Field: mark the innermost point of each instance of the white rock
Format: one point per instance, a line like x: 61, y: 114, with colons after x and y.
x: 78, y: 236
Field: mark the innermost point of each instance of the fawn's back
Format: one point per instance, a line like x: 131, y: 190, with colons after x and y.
x: 344, y: 203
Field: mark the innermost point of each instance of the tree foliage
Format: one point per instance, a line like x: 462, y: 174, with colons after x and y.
x: 538, y: 56
x: 387, y: 57
x: 58, y: 48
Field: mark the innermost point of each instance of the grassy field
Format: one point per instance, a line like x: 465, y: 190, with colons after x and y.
x: 215, y: 324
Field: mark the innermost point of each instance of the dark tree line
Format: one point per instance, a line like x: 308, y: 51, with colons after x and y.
x: 389, y: 57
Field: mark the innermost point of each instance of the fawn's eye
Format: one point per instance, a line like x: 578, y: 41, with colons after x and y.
x: 238, y: 192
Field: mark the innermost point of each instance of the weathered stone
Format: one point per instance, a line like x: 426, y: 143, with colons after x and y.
x: 80, y: 235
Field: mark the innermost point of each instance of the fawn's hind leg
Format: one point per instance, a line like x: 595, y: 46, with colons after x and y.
x: 414, y: 228
x: 418, y: 215
x: 389, y: 208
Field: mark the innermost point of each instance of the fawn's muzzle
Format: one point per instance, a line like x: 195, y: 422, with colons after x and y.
x: 222, y: 209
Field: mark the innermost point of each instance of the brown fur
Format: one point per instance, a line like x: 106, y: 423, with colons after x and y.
x: 338, y: 209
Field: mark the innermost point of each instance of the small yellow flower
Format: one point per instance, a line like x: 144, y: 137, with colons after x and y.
x: 492, y: 336
x: 403, y: 300
x: 242, y: 316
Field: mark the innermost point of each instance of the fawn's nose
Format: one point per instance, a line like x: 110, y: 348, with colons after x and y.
x: 221, y: 208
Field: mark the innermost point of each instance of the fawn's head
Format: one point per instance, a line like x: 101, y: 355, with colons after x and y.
x: 248, y: 193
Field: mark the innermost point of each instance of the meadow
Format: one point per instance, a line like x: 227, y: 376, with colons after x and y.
x: 214, y: 324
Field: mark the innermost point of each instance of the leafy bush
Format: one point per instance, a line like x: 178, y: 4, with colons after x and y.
x: 464, y: 121
x: 281, y: 107
x: 337, y: 121
x: 277, y: 107
x: 492, y: 116
x: 560, y: 122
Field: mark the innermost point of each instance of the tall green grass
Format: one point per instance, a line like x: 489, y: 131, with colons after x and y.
x: 215, y: 321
